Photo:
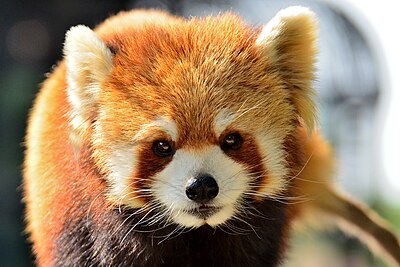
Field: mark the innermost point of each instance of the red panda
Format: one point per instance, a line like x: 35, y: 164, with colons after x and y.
x: 165, y: 141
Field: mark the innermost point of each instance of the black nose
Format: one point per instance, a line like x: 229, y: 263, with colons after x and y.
x: 202, y: 188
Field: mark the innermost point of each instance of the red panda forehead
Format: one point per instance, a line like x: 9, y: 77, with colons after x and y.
x: 209, y: 45
x: 195, y: 131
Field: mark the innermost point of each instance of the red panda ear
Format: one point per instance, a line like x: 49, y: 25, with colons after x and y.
x: 288, y: 42
x: 89, y: 62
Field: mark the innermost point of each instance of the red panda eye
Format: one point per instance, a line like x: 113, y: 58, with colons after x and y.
x: 232, y: 141
x: 163, y: 148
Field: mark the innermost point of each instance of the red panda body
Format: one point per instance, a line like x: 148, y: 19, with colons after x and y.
x: 163, y: 141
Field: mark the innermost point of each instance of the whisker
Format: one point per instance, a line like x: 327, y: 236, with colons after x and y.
x: 302, y: 169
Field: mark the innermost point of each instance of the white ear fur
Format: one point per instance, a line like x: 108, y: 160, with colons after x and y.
x: 89, y: 62
x: 288, y: 42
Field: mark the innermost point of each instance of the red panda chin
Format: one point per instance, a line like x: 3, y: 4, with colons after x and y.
x: 205, y: 211
x: 209, y: 216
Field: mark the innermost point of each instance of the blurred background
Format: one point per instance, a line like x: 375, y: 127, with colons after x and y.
x: 359, y: 101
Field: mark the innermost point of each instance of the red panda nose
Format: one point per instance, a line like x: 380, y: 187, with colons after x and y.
x: 202, y: 188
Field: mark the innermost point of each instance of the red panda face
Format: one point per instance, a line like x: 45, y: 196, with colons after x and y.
x: 197, y: 176
x: 202, y: 184
x: 188, y: 121
x: 195, y: 184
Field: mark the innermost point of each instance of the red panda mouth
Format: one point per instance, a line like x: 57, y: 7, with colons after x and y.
x: 204, y: 211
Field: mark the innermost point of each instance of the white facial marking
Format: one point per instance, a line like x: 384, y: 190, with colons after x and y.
x: 223, y: 120
x: 121, y: 163
x: 223, y: 215
x: 169, y: 185
x: 271, y: 149
x: 164, y: 124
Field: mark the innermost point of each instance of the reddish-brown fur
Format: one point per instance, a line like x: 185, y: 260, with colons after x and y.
x: 159, y: 71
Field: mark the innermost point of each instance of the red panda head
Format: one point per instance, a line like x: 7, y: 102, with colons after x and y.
x: 188, y: 119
